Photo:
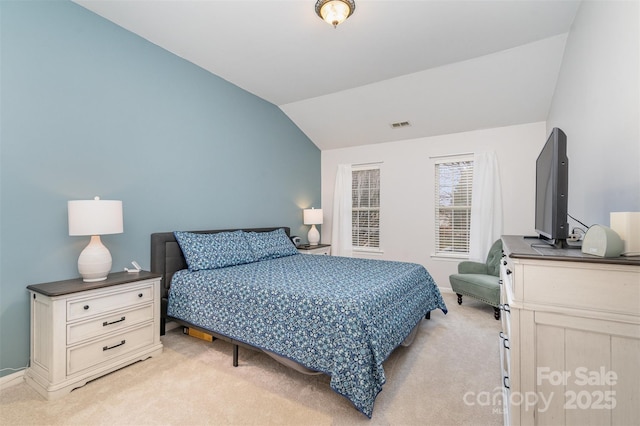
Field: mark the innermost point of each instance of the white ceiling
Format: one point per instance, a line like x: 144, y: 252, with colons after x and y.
x: 445, y: 66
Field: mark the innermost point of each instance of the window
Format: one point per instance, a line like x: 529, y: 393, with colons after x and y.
x: 365, y: 208
x: 454, y: 179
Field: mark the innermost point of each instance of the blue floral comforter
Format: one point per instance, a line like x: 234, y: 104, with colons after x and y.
x: 338, y: 315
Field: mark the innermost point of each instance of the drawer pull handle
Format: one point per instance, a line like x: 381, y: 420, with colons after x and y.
x: 508, y: 271
x: 505, y: 381
x: 106, y: 348
x: 139, y: 294
x: 504, y: 262
x: 504, y: 307
x: 86, y: 307
x: 104, y: 324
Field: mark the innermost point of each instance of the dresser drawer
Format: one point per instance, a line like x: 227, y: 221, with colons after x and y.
x: 79, y: 331
x: 82, y: 357
x: 108, y: 302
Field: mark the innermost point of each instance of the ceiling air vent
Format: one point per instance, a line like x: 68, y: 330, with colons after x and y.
x: 400, y: 124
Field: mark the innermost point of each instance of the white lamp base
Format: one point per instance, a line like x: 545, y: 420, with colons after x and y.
x: 94, y: 263
x: 313, y: 236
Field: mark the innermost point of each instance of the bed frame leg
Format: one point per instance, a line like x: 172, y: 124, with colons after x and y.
x: 235, y: 355
x: 428, y: 315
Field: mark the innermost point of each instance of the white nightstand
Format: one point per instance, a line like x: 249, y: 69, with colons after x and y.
x: 81, y: 331
x: 324, y: 249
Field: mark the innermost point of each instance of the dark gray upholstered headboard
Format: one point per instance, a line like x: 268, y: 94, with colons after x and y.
x: 167, y: 257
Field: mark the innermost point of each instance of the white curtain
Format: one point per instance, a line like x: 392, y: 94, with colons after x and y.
x: 341, y: 241
x: 486, y: 206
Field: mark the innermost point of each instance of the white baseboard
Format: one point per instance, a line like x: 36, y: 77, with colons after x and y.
x: 11, y: 379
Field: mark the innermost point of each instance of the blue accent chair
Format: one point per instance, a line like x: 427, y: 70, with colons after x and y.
x: 480, y: 280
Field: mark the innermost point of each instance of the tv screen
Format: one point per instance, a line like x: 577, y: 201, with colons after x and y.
x: 552, y: 176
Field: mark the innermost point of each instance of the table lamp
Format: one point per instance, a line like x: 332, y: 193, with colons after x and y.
x: 95, y: 217
x: 313, y: 217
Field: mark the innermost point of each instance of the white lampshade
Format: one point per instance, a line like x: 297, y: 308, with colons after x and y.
x: 95, y: 217
x: 312, y: 216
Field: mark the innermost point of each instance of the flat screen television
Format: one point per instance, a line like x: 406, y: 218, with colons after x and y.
x: 552, y: 185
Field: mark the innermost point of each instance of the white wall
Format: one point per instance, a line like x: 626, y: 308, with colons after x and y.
x: 407, y: 187
x: 597, y: 104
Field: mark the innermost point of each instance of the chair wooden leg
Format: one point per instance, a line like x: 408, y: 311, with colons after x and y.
x: 496, y: 313
x: 459, y: 298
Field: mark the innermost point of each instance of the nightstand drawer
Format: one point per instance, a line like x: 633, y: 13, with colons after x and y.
x: 77, y: 332
x: 105, y: 303
x: 86, y: 356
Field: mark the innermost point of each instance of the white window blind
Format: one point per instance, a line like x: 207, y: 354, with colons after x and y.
x: 365, y: 209
x: 454, y: 181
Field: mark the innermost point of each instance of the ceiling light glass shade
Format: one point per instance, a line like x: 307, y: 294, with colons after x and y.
x: 95, y: 217
x: 335, y: 12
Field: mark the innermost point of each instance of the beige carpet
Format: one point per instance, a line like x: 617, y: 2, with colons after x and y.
x: 194, y: 383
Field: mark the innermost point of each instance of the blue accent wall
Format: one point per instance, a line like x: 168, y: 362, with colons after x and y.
x: 90, y: 109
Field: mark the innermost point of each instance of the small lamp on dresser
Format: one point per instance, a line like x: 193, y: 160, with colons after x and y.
x: 313, y: 217
x: 95, y: 217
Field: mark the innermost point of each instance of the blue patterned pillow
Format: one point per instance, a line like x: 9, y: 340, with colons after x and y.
x: 212, y: 251
x: 270, y: 245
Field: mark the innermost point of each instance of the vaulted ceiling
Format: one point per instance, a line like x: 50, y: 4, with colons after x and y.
x: 442, y: 66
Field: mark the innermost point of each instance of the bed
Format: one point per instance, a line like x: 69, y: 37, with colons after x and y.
x: 327, y: 314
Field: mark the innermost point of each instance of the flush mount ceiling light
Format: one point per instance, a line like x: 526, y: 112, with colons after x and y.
x: 335, y: 12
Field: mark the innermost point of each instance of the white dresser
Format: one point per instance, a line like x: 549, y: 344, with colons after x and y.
x: 81, y: 331
x: 570, y: 341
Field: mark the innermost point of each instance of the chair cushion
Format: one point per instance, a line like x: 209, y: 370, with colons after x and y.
x: 493, y: 258
x: 485, y: 288
x: 471, y: 267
